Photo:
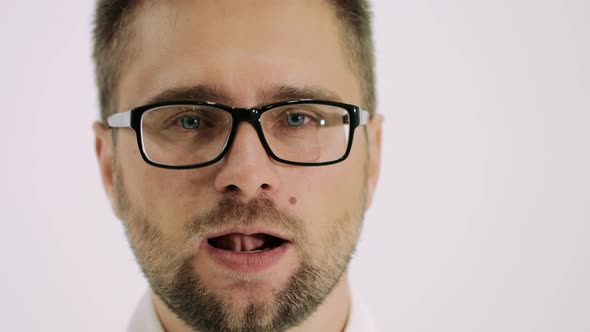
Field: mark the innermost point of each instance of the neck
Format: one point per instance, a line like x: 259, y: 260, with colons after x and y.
x: 332, y: 315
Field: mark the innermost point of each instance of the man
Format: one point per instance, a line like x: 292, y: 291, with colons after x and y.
x: 240, y: 147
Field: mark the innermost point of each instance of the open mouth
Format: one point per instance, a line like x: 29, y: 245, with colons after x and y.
x: 252, y: 243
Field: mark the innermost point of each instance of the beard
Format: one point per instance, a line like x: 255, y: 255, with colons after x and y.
x: 168, y: 263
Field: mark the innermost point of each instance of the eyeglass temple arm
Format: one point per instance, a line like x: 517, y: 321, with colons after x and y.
x: 119, y: 120
x: 364, y: 118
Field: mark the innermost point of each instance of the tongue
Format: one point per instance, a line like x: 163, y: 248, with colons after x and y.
x: 241, y: 242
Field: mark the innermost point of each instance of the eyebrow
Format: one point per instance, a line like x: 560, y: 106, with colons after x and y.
x: 266, y: 96
x: 289, y: 92
x: 198, y: 92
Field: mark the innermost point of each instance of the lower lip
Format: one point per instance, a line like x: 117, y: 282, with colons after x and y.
x: 244, y: 262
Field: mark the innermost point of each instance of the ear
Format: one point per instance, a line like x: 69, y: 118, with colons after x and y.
x: 374, y: 128
x: 104, y: 152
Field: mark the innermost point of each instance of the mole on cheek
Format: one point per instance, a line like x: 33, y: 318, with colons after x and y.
x: 293, y: 200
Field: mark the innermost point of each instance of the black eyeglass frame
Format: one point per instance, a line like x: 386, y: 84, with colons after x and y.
x: 132, y: 119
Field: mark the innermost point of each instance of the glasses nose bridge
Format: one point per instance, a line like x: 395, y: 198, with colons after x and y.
x: 250, y: 115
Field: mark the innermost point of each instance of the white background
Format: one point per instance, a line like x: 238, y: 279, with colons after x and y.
x: 481, y: 221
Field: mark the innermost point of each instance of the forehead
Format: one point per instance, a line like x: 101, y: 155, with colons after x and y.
x: 241, y: 48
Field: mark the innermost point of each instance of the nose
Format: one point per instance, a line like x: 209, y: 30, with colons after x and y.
x: 247, y: 171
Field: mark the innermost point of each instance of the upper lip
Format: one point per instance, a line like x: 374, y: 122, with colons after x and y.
x: 249, y: 230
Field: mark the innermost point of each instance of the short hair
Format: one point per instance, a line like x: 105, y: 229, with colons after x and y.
x: 113, y: 47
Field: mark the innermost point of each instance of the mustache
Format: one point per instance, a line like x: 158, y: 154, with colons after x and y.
x: 231, y: 211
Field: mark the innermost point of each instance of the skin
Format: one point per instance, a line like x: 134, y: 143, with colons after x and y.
x: 243, y: 49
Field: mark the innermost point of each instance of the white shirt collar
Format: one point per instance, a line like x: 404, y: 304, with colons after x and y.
x: 145, y: 319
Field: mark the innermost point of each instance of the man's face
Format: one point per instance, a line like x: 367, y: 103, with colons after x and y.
x: 199, y: 234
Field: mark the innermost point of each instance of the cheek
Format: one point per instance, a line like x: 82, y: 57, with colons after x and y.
x: 327, y: 196
x: 168, y: 198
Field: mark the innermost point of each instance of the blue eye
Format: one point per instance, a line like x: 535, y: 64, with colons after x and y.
x: 190, y: 122
x: 296, y: 120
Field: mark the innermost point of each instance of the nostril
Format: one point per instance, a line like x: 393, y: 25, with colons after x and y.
x: 265, y: 186
x: 232, y: 188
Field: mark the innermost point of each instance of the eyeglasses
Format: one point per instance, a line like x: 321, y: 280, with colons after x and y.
x: 191, y: 134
